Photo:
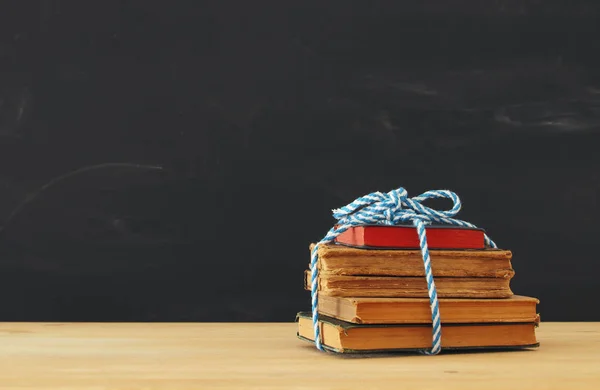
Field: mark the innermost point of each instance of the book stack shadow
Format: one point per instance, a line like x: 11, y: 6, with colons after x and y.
x: 373, y: 294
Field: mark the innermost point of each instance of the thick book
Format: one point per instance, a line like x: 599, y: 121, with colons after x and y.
x: 417, y: 310
x: 343, y: 260
x: 405, y: 236
x: 409, y: 287
x: 344, y: 337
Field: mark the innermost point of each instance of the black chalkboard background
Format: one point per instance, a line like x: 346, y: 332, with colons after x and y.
x: 263, y: 116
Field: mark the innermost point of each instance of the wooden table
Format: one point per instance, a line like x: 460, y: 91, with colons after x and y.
x: 269, y: 356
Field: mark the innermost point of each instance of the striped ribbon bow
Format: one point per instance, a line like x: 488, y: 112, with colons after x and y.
x: 393, y: 208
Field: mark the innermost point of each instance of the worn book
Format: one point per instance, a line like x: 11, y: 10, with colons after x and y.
x: 405, y: 236
x: 342, y: 260
x: 344, y: 337
x: 410, y: 287
x: 417, y: 310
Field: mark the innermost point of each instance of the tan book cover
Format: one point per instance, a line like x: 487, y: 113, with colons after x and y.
x: 343, y: 260
x: 417, y: 310
x: 343, y: 337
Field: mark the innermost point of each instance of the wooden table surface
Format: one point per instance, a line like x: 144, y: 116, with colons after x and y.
x: 269, y: 356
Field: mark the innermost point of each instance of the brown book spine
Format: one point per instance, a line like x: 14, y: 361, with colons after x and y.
x: 417, y: 310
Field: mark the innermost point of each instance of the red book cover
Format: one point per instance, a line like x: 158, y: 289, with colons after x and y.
x: 406, y: 237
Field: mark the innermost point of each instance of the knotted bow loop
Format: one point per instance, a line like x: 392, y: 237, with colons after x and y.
x: 396, y: 207
x: 439, y: 194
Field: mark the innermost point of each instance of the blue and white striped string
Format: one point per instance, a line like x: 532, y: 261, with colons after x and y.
x: 393, y: 208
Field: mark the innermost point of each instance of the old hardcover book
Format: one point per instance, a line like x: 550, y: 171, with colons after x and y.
x: 343, y: 260
x: 409, y: 287
x: 417, y: 311
x: 344, y: 337
x: 405, y: 236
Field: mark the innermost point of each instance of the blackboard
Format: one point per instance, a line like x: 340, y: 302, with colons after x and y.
x: 172, y: 161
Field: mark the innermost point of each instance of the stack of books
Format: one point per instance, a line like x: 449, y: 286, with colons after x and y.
x: 373, y: 296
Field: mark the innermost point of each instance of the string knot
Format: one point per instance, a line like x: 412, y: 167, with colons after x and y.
x: 394, y: 208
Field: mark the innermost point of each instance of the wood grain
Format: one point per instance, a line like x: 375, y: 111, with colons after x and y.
x: 269, y: 356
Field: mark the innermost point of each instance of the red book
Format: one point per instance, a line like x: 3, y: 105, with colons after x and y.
x: 406, y: 237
